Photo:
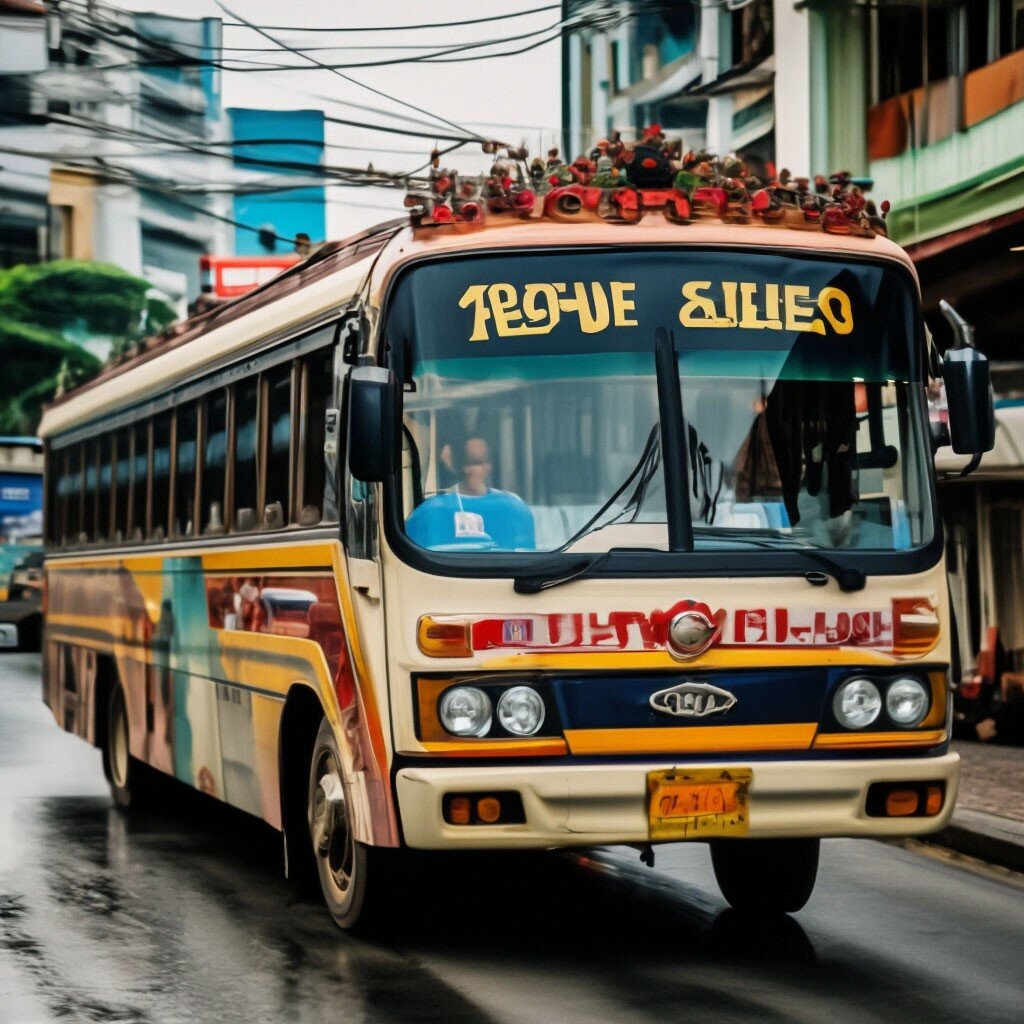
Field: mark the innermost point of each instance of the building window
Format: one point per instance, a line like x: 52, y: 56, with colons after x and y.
x: 185, y: 471
x: 277, y: 492
x: 245, y: 466
x: 215, y: 462
x: 161, y: 475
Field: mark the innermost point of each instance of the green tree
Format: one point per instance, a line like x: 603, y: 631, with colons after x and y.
x: 40, y: 305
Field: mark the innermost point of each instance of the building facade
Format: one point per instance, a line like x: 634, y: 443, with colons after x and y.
x: 108, y: 149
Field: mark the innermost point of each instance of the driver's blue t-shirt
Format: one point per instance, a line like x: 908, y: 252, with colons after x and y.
x: 495, y: 520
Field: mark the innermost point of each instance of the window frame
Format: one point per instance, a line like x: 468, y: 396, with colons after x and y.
x: 69, y: 450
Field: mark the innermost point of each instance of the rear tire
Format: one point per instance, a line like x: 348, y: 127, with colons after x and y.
x: 353, y: 876
x: 125, y: 774
x: 766, y: 876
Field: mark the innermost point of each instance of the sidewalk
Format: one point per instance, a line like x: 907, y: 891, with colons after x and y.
x: 989, y: 819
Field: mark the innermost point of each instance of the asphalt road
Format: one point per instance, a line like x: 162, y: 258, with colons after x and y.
x: 184, y: 916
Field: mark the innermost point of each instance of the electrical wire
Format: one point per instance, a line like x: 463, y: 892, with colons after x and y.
x: 347, y: 78
x: 402, y: 28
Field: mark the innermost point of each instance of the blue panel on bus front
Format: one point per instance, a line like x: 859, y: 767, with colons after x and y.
x: 760, y: 697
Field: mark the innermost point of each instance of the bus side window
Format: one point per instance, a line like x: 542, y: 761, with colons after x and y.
x: 92, y: 454
x: 185, y: 471
x: 122, y: 481
x: 161, y: 489
x: 139, y: 488
x: 277, y: 500
x: 215, y: 452
x: 317, y: 501
x: 105, y: 493
x: 74, y: 494
x: 244, y: 464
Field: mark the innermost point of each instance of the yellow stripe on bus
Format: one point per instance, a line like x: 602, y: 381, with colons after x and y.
x: 692, y: 740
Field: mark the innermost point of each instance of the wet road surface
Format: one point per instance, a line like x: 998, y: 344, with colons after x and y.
x: 184, y: 916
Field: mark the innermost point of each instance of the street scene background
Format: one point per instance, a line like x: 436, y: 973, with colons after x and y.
x: 159, y: 159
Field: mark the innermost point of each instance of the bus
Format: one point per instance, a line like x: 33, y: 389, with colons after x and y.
x: 21, y: 540
x: 567, y: 512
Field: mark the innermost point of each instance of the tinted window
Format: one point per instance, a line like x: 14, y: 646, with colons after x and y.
x: 185, y: 472
x: 245, y: 455
x: 91, y: 470
x: 318, y: 382
x: 161, y: 474
x: 215, y: 462
x: 140, y: 475
x: 105, y: 497
x: 122, y: 484
x: 279, y: 441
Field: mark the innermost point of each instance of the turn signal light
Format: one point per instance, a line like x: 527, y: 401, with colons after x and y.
x: 444, y: 637
x: 901, y: 803
x: 915, y: 623
x: 488, y: 810
x: 905, y: 799
x: 459, y: 810
x: 483, y: 808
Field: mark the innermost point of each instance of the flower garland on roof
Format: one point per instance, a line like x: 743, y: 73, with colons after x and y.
x: 621, y: 182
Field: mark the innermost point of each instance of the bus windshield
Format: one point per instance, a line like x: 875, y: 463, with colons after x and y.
x: 532, y: 421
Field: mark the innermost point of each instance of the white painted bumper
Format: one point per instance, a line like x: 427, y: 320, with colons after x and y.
x: 586, y: 805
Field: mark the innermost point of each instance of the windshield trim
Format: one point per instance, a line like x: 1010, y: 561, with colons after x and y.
x: 643, y: 563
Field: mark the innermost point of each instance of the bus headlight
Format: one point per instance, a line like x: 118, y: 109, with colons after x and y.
x: 521, y: 711
x: 857, y: 703
x: 465, y: 711
x: 906, y: 700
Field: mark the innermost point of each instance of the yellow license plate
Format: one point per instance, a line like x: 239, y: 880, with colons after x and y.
x: 698, y: 803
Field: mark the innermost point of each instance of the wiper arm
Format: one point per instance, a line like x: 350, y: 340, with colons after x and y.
x: 849, y: 579
x: 555, y: 574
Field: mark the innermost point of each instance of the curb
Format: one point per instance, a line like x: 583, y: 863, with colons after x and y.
x: 987, y: 837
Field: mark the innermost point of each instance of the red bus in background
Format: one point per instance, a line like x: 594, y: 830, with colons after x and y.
x: 227, y: 277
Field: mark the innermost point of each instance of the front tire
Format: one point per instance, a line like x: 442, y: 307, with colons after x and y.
x: 124, y: 773
x: 766, y: 876
x: 351, y: 874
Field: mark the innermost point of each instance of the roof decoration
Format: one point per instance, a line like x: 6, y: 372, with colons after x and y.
x: 622, y: 182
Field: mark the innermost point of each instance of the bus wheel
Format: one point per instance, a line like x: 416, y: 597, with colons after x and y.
x: 766, y: 876
x: 344, y: 865
x: 123, y: 772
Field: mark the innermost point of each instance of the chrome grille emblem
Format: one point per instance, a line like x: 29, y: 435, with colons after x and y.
x: 692, y: 700
x: 690, y: 634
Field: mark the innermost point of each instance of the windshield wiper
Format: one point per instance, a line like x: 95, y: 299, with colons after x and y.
x: 674, y: 456
x: 849, y: 579
x: 556, y: 573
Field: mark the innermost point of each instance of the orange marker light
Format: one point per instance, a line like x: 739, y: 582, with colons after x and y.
x: 915, y: 626
x: 444, y: 637
x: 901, y: 803
x: 933, y: 801
x: 488, y: 809
x: 458, y: 810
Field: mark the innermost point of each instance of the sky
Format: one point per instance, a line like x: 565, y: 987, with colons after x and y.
x: 516, y: 99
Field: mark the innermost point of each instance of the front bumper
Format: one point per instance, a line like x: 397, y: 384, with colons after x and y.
x: 586, y: 805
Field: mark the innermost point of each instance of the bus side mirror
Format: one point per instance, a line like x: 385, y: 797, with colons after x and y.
x: 968, y: 380
x: 370, y: 423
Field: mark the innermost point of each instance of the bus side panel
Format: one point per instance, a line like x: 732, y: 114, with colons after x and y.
x: 207, y: 648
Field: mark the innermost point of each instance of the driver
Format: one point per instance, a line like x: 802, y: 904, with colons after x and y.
x: 471, y: 513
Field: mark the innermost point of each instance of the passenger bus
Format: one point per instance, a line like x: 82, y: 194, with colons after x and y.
x: 556, y: 515
x: 21, y: 539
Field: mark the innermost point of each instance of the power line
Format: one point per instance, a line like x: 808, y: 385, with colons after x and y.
x: 347, y: 78
x: 399, y: 28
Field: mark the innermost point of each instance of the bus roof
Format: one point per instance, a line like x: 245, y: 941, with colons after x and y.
x: 324, y: 285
